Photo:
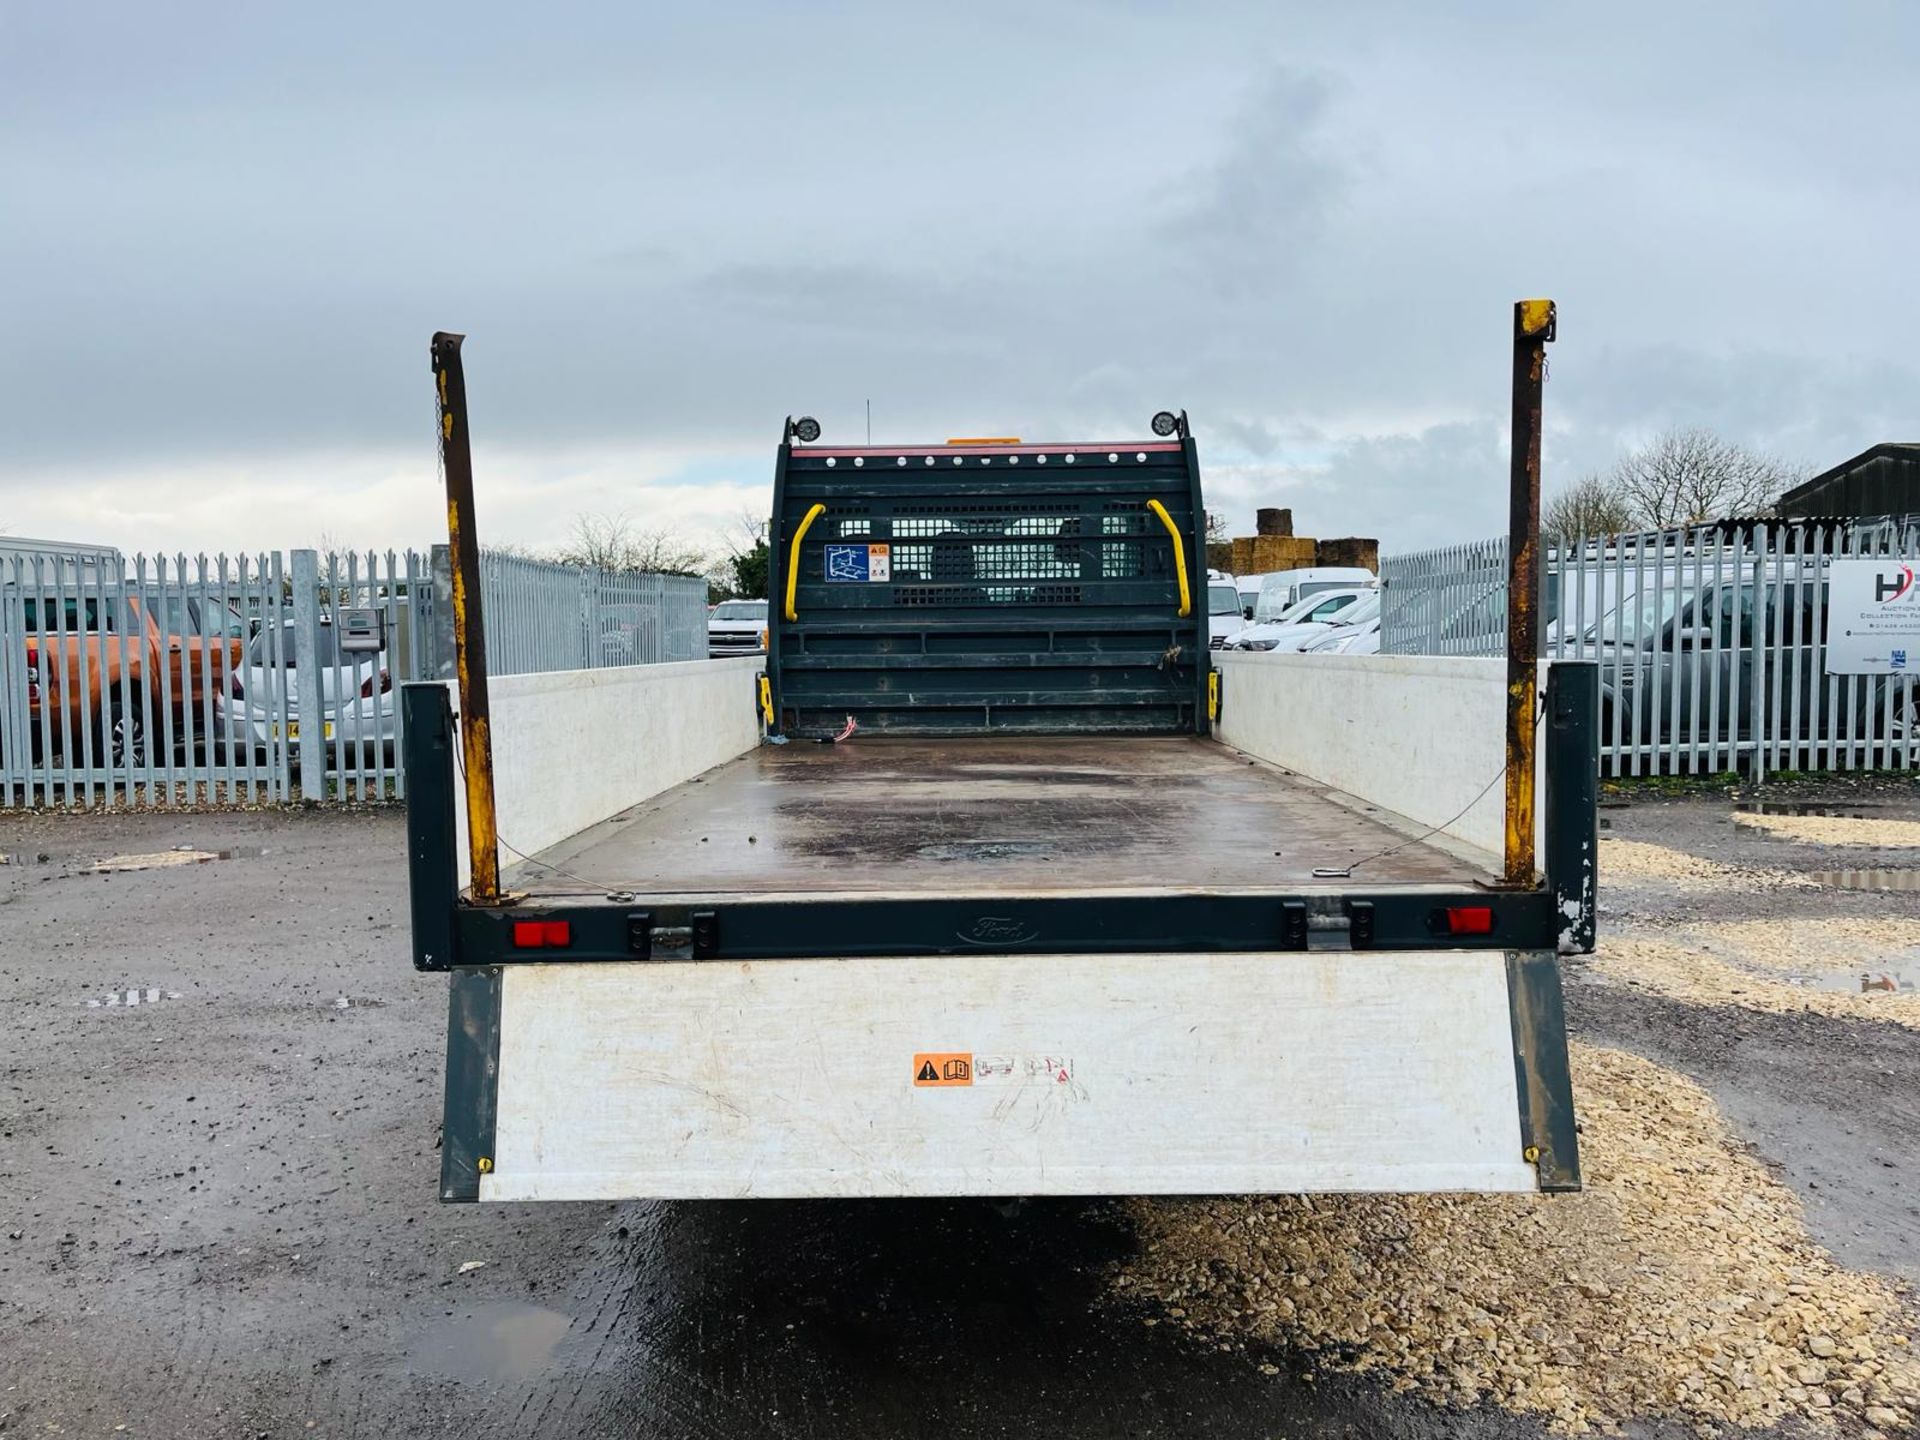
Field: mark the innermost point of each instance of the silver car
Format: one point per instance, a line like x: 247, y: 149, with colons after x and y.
x: 737, y: 627
x: 264, y: 696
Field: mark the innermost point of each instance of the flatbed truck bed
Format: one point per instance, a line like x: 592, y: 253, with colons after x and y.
x: 980, y: 887
x: 992, y: 815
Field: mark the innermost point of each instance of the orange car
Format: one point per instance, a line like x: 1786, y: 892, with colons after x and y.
x: 106, y: 667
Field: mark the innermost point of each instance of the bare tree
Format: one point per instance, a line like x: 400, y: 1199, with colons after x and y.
x: 1219, y: 531
x: 741, y: 572
x: 1593, y: 506
x: 614, y: 542
x: 1684, y: 476
x: 746, y: 532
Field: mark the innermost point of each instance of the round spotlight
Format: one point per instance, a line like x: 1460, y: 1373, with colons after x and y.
x: 1165, y: 423
x: 806, y: 429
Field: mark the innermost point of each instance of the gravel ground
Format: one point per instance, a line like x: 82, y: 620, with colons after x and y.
x: 216, y: 1213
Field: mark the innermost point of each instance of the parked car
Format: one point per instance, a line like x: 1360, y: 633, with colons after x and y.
x: 102, y: 668
x: 737, y: 627
x: 1357, y: 636
x: 1318, y: 617
x: 1300, y: 623
x: 357, y: 701
x: 1658, y: 649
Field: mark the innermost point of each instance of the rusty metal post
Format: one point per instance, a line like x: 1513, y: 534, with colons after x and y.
x: 469, y: 631
x: 1533, y: 327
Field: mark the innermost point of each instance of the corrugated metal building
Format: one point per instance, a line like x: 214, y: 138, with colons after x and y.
x: 1882, y: 481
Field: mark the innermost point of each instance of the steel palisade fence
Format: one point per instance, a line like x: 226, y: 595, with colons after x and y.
x: 1711, y: 641
x: 177, y: 681
x: 542, y: 616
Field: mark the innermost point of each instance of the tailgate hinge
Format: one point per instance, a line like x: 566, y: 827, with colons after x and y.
x: 673, y: 934
x: 1327, y: 925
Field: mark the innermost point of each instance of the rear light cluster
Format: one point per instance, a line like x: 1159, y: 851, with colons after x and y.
x: 33, y: 675
x: 542, y: 934
x: 1467, y: 919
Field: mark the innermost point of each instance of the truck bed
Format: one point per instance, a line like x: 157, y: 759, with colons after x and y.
x: 1021, y: 814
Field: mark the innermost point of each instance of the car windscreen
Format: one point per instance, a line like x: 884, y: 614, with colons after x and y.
x: 1368, y: 609
x: 1278, y: 605
x: 741, y: 610
x: 68, y: 614
x: 1223, y: 600
x: 1321, y: 608
x: 326, y: 650
x: 1634, y: 618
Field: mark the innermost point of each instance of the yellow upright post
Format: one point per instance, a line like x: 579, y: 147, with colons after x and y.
x: 1533, y: 327
x: 469, y: 631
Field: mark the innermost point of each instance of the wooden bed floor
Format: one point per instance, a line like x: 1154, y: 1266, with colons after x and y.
x: 980, y: 816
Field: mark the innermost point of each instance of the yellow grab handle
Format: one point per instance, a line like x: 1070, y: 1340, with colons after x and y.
x: 793, y: 558
x: 1179, y: 558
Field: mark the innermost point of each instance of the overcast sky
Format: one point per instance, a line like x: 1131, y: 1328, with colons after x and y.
x: 227, y: 232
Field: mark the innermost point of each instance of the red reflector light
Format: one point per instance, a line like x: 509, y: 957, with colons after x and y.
x: 1470, y: 919
x: 542, y: 934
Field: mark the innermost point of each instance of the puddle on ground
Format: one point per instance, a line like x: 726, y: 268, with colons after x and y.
x: 1840, y: 810
x: 1868, y: 879
x: 500, y: 1343
x: 1858, y: 982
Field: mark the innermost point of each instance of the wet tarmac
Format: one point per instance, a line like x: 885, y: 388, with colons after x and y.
x: 217, y: 1214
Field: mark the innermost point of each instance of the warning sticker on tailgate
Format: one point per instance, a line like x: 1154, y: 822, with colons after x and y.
x: 943, y: 1067
x: 859, y: 564
x: 964, y: 1067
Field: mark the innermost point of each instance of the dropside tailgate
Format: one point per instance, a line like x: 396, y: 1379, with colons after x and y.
x: 1009, y: 1075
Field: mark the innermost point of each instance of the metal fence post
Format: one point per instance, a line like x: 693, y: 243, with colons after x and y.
x: 309, y: 749
x: 589, y: 619
x: 440, y: 665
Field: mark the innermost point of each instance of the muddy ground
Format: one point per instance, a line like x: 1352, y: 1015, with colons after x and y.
x: 217, y: 1213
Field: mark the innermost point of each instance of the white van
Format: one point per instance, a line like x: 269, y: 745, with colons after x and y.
x: 1284, y: 589
x: 1249, y: 587
x: 1224, y: 616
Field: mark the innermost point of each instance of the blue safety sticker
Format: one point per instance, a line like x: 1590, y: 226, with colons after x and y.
x: 859, y: 564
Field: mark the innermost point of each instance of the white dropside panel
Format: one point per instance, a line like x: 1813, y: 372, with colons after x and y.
x: 1007, y: 1075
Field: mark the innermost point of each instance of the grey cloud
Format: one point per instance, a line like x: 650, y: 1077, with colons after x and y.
x: 1304, y: 224
x: 1417, y: 487
x: 1248, y: 217
x: 1815, y: 410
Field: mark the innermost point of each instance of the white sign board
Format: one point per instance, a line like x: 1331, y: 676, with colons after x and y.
x: 1873, y: 617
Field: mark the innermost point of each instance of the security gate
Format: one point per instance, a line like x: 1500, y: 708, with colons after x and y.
x: 960, y: 588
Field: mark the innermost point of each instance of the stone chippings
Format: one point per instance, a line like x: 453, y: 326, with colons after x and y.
x: 1681, y: 1283
x: 1837, y: 830
x: 1643, y: 860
